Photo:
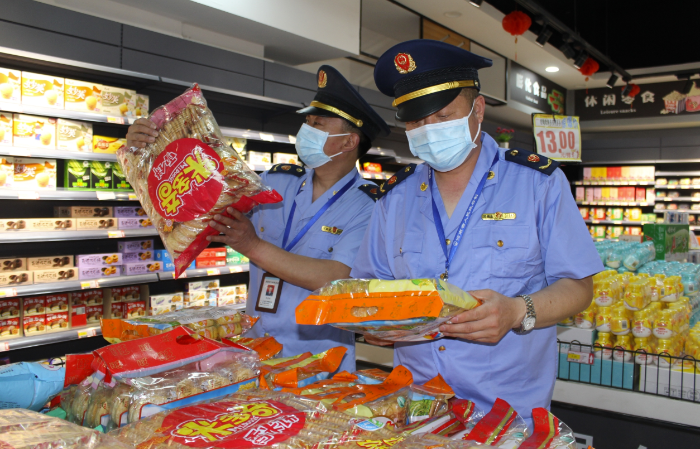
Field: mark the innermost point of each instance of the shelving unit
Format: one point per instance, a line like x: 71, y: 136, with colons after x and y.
x: 55, y: 154
x: 66, y: 195
x: 203, y: 272
x: 67, y: 286
x: 50, y: 338
x: 59, y: 236
x: 677, y: 173
x: 679, y: 187
x: 613, y: 183
x: 679, y: 199
x: 612, y: 203
x: 614, y: 222
x: 62, y: 113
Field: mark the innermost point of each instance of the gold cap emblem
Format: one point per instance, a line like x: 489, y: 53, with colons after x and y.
x: 322, y: 79
x: 404, y: 63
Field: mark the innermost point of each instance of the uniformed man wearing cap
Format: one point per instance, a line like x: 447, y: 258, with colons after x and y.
x: 312, y: 237
x: 499, y: 223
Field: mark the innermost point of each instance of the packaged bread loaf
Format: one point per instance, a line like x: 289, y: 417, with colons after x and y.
x: 394, y: 310
x: 188, y: 175
x: 301, y: 370
x: 502, y: 426
x: 266, y: 347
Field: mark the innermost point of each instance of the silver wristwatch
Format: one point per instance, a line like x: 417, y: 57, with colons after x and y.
x: 528, y: 322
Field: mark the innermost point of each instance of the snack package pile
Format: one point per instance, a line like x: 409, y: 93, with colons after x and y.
x: 549, y: 432
x: 301, y: 370
x: 188, y: 175
x: 429, y: 400
x: 29, y: 385
x: 462, y: 415
x: 136, y: 379
x: 399, y: 310
x: 24, y: 429
x: 266, y: 347
x: 501, y: 427
x: 209, y: 321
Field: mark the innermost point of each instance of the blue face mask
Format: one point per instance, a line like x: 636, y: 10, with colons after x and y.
x: 443, y: 146
x: 310, y: 143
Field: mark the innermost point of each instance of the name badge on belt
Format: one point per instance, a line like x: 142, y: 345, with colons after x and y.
x: 498, y: 216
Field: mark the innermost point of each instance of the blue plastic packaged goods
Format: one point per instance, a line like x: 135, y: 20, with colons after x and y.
x: 29, y: 385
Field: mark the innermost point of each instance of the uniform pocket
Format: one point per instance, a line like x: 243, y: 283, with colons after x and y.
x: 407, y: 252
x: 322, y: 246
x: 505, y: 248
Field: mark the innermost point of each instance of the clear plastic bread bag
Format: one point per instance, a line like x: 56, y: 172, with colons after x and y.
x: 549, y: 432
x: 188, y: 175
x: 500, y: 427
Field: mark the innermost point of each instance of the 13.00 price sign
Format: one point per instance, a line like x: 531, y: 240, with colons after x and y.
x: 557, y: 137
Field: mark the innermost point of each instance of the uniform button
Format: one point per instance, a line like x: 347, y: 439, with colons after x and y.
x: 262, y: 229
x: 448, y: 241
x: 441, y: 348
x: 499, y: 243
x: 400, y: 250
x: 330, y: 250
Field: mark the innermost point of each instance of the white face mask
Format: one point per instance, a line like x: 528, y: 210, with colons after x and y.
x: 310, y: 143
x: 443, y: 146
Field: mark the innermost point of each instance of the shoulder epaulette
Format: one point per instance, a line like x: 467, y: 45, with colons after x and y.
x: 535, y: 161
x: 289, y: 169
x: 399, y: 176
x: 371, y: 189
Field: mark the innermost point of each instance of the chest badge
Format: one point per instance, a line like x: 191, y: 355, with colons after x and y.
x: 498, y: 216
x: 331, y: 229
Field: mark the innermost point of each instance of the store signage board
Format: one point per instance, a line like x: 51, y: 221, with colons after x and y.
x: 653, y: 100
x: 557, y: 136
x: 535, y: 91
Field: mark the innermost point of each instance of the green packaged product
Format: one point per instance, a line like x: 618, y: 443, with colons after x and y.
x: 101, y: 175
x: 77, y: 175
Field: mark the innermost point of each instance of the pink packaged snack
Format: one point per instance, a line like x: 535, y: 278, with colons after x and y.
x: 188, y: 175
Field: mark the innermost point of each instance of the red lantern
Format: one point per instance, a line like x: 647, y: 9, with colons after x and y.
x: 589, y: 67
x: 634, y: 91
x: 516, y: 23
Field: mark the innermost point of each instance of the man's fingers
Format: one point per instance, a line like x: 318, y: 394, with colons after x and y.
x: 217, y: 238
x: 219, y: 227
x: 145, y: 122
x: 238, y: 215
x: 481, y: 336
x: 226, y: 221
x: 141, y: 129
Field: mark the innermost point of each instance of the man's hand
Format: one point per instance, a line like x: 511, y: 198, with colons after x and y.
x: 141, y: 133
x: 238, y: 233
x: 489, y: 322
x: 377, y: 341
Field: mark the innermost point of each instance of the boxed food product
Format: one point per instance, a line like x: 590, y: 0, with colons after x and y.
x: 49, y: 224
x: 169, y: 302
x: 34, y: 174
x: 86, y: 273
x: 44, y: 263
x: 210, y: 262
x: 182, y: 186
x: 83, y: 96
x: 78, y: 315
x: 42, y: 90
x: 134, y: 223
x: 129, y: 212
x: 259, y: 158
x: 141, y: 105
x: 35, y: 324
x: 77, y: 175
x: 119, y: 181
x: 94, y: 313
x: 400, y: 310
x: 13, y: 264
x: 145, y: 256
x: 117, y: 310
x: 99, y: 260
x: 135, y: 309
x: 100, y: 175
x: 96, y: 224
x: 126, y: 294
x: 6, y: 128
x: 87, y: 297
x: 82, y: 211
x: 213, y: 253
x: 13, y: 278
x: 10, y: 86
x: 9, y: 308
x: 55, y: 275
x: 31, y: 131
x: 34, y: 305
x: 10, y: 328
x: 130, y: 269
x: 57, y: 321
x: 107, y: 145
x: 207, y: 284
x: 117, y: 101
x: 57, y: 302
x: 7, y: 172
x: 135, y: 246
x: 72, y: 135
x: 670, y: 240
x: 13, y: 225
x: 285, y: 158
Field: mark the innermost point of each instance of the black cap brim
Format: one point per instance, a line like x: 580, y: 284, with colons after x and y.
x: 425, y: 105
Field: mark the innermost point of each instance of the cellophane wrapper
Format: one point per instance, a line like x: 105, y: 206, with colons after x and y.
x: 393, y: 310
x: 255, y: 419
x: 501, y: 427
x: 549, y: 432
x: 182, y: 184
x: 25, y: 429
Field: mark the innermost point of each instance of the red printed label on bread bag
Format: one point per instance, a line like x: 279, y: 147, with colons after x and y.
x: 234, y: 424
x: 186, y: 180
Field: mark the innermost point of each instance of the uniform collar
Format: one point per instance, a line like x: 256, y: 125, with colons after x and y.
x: 306, y: 193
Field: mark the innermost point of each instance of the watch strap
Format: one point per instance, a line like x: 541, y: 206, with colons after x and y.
x: 529, y: 313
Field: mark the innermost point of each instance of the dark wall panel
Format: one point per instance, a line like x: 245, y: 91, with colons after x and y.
x: 376, y: 98
x: 288, y: 93
x: 291, y: 76
x: 621, y: 154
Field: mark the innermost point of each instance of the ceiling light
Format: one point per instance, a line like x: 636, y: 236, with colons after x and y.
x: 568, y: 51
x: 626, y: 91
x: 453, y: 14
x: 611, y: 82
x: 552, y: 69
x: 476, y: 3
x: 580, y: 59
x: 544, y: 36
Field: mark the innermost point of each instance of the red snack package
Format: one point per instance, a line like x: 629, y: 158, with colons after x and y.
x: 188, y: 175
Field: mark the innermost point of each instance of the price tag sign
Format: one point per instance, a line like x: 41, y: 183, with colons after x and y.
x: 102, y: 196
x: 89, y: 284
x: 183, y: 275
x: 20, y: 152
x: 4, y: 346
x: 235, y: 269
x: 8, y: 292
x: 28, y: 195
x: 585, y: 358
x: 115, y: 234
x: 558, y: 137
x: 213, y: 272
x: 267, y: 137
x: 118, y: 120
x: 133, y: 197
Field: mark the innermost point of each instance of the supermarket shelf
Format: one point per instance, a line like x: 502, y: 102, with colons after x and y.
x: 695, y: 228
x: 55, y: 154
x: 680, y: 198
x: 677, y: 173
x: 62, y: 113
x: 368, y: 175
x: 258, y: 135
x: 612, y: 203
x: 50, y: 338
x: 613, y: 183
x: 66, y: 195
x: 613, y: 222
x: 685, y: 211
x: 679, y: 187
x: 58, y: 236
x: 203, y: 272
x: 66, y: 286
x: 260, y: 167
x: 600, y: 239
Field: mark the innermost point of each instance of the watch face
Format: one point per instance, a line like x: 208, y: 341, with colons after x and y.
x: 528, y: 323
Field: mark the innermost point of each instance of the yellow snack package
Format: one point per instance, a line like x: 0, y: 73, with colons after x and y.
x: 398, y: 310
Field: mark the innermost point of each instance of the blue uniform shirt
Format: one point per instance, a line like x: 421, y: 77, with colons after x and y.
x: 547, y: 241
x: 351, y: 214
